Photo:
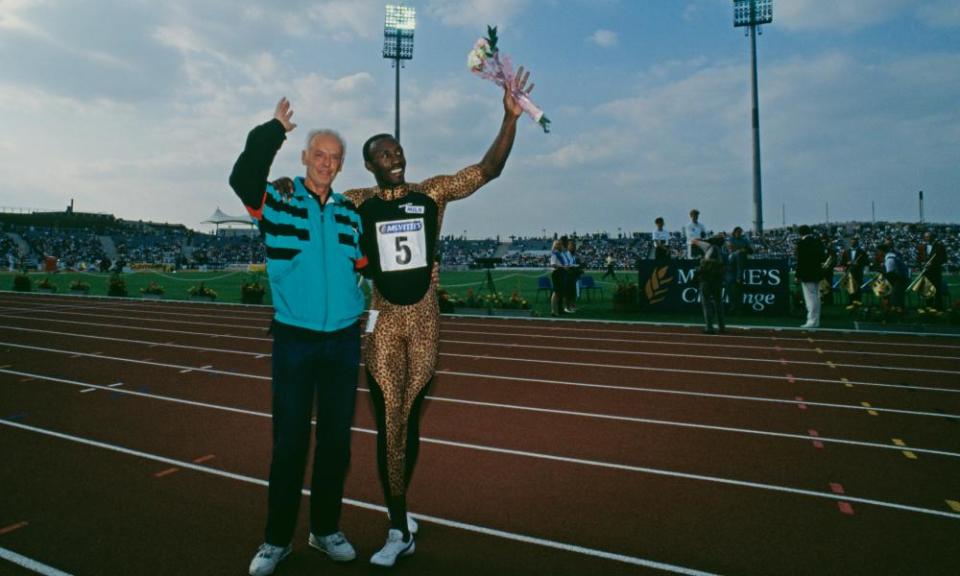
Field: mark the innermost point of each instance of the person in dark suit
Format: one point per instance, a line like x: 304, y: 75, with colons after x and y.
x: 854, y: 259
x: 931, y: 256
x: 810, y: 255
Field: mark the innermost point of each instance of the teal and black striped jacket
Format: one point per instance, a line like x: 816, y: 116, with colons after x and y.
x: 313, y: 250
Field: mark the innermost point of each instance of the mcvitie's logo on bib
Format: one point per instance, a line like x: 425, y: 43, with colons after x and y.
x: 397, y: 227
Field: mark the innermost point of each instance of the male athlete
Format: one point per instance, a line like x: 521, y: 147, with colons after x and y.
x: 402, y: 223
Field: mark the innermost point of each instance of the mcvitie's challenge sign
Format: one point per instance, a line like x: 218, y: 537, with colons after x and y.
x: 671, y: 287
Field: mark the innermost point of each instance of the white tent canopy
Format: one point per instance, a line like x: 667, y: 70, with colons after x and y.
x: 220, y: 217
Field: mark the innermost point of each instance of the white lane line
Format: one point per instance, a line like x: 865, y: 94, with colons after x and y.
x: 692, y: 425
x: 115, y: 385
x: 702, y: 344
x: 142, y: 319
x: 683, y: 371
x: 206, y: 369
x: 675, y: 370
x: 548, y: 348
x: 681, y: 392
x: 143, y: 362
x: 651, y: 471
x: 660, y: 334
x: 148, y: 343
x: 699, y: 356
x: 30, y: 564
x: 769, y: 333
x: 368, y: 506
x: 141, y: 328
x: 88, y: 390
x: 679, y: 424
x: 122, y: 308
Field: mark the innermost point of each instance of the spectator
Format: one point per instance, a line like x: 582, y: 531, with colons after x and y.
x: 558, y: 278
x: 738, y: 248
x: 710, y: 276
x: 809, y: 258
x: 693, y: 231
x: 661, y: 244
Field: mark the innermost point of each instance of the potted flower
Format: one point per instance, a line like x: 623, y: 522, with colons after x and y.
x: 78, y: 287
x: 22, y: 282
x: 153, y: 291
x: 446, y: 301
x: 201, y: 292
x: 252, y: 291
x: 626, y: 297
x: 46, y: 285
x: 517, y: 302
x: 117, y: 285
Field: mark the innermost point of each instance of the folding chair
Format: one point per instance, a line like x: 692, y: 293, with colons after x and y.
x: 588, y: 285
x: 543, y: 285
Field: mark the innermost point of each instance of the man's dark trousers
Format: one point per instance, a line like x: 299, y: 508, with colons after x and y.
x: 310, y: 366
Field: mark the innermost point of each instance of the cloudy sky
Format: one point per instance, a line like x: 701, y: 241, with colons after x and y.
x: 139, y: 108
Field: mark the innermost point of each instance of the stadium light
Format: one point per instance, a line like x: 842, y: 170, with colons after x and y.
x: 398, y: 30
x: 753, y: 13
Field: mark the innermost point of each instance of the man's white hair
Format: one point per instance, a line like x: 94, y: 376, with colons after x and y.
x: 326, y: 132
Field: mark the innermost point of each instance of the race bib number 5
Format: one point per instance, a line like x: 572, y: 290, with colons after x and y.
x: 402, y: 244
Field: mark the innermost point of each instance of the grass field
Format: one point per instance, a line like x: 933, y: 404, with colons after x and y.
x: 227, y: 286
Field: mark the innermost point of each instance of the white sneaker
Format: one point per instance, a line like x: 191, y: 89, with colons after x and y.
x: 335, y: 546
x: 412, y: 525
x: 810, y: 325
x: 393, y: 549
x: 267, y: 558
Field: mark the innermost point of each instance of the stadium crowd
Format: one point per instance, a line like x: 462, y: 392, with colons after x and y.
x: 182, y: 248
x: 593, y: 249
x: 74, y: 248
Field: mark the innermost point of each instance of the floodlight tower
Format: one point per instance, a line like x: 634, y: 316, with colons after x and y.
x: 398, y: 44
x: 753, y: 13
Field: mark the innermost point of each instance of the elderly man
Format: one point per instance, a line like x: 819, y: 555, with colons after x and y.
x: 312, y: 238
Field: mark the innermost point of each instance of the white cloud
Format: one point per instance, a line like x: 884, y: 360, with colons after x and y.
x: 604, y: 38
x: 12, y: 15
x: 471, y: 12
x: 849, y: 16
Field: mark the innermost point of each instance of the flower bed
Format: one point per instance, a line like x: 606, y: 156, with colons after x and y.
x: 201, y: 292
x: 78, y: 287
x: 487, y: 304
x: 152, y: 291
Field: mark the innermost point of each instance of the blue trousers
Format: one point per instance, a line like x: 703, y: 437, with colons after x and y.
x: 310, y: 367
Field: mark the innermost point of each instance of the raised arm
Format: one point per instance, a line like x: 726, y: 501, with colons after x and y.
x: 496, y: 157
x: 249, y: 176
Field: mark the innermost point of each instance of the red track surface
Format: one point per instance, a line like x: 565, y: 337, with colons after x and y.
x: 549, y: 448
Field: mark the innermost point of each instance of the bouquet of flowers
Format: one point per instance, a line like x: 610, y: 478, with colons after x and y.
x: 485, y: 61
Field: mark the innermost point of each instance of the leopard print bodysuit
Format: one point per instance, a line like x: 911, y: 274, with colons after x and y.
x: 401, y: 353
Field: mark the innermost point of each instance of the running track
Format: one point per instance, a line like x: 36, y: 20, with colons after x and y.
x: 136, y: 440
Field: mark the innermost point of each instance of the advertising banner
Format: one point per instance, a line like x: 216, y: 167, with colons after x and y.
x: 672, y: 287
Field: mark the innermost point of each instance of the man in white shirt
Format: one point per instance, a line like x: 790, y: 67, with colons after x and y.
x: 661, y: 243
x: 692, y: 231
